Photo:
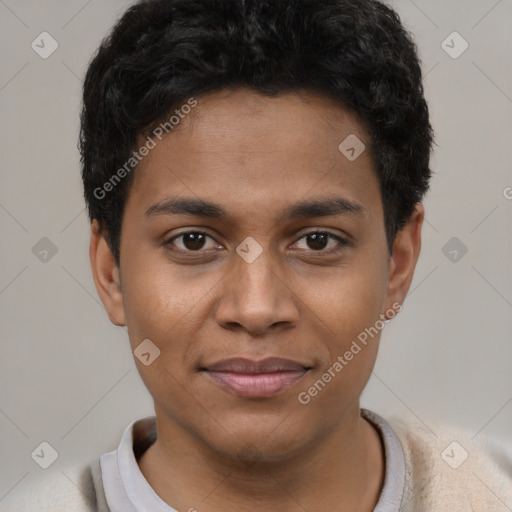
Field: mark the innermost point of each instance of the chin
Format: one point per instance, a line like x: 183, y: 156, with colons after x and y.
x: 257, y: 443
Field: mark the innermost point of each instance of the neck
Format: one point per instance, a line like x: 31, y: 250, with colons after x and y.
x: 343, y: 471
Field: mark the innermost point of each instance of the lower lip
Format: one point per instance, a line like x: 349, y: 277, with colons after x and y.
x: 261, y: 385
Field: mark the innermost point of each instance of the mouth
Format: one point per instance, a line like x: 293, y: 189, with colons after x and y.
x: 256, y: 379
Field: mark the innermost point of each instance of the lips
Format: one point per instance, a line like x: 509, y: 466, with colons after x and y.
x: 256, y: 379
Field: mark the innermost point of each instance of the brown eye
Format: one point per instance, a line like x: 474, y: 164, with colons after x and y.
x: 191, y: 241
x: 318, y: 241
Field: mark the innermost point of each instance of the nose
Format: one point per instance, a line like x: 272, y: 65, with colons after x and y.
x: 256, y: 297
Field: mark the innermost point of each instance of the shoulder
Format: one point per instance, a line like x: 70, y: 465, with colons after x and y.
x: 71, y: 488
x: 449, y: 468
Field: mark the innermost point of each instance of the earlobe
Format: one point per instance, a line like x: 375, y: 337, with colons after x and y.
x: 406, y: 251
x: 106, y: 276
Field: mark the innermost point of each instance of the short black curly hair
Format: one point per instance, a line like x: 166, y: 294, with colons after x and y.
x: 163, y: 52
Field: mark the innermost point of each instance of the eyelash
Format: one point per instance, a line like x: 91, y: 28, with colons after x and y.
x: 342, y: 242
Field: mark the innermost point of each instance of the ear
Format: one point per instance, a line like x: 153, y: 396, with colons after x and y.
x: 106, y: 276
x: 406, y: 250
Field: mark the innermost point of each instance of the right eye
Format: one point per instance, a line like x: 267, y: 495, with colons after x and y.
x: 191, y: 241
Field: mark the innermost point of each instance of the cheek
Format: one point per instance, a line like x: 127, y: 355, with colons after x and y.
x: 350, y: 300
x: 162, y: 306
x: 348, y: 309
x: 161, y: 300
x: 169, y: 306
x: 352, y: 314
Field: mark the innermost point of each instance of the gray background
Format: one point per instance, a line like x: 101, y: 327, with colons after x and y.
x: 67, y: 375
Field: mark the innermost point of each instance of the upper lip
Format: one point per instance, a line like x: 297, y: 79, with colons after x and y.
x: 249, y: 366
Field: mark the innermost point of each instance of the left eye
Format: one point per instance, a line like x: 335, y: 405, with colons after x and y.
x: 318, y: 240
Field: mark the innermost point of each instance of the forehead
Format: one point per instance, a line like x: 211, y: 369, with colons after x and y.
x: 240, y: 146
x: 251, y: 122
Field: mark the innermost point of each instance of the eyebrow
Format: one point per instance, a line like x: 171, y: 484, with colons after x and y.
x: 302, y: 209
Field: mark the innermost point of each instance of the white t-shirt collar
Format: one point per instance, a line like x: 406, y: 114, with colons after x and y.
x: 127, y: 490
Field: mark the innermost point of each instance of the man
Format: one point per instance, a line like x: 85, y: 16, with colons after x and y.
x: 254, y: 173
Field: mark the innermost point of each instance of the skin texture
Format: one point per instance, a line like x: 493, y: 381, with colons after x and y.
x: 298, y: 300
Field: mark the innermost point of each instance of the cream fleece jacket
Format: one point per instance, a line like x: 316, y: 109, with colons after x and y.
x: 446, y: 471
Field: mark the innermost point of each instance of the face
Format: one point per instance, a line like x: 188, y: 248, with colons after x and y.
x: 254, y: 256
